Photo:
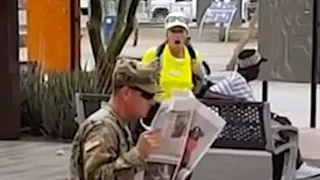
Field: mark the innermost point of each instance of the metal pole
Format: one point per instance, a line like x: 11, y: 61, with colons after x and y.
x: 9, y: 79
x: 313, y: 92
x: 264, y: 91
x: 72, y: 34
x: 75, y: 34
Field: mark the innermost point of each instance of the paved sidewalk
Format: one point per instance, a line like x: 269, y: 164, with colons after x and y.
x: 25, y: 160
x: 236, y: 167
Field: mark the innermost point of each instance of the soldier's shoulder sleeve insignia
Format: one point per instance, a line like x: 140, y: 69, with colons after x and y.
x: 88, y: 146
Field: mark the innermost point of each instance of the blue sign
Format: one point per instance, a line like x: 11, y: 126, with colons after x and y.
x: 221, y: 12
x: 108, y: 26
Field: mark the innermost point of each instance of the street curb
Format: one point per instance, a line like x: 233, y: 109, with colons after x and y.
x: 253, y: 153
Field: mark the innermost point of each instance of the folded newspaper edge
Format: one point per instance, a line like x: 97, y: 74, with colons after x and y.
x: 183, y: 101
x: 183, y: 94
x: 183, y: 104
x: 209, y: 113
x: 159, y: 158
x: 183, y: 174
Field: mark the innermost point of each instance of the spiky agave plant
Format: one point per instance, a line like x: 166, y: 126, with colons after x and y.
x: 30, y: 90
x: 49, y: 102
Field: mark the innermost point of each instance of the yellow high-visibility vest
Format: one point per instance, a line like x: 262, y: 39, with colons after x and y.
x: 175, y: 73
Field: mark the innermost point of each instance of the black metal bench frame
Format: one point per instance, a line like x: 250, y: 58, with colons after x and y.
x: 269, y: 133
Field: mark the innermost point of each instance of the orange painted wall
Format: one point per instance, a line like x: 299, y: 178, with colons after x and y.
x: 49, y: 41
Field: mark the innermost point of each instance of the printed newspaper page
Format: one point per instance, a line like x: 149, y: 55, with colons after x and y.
x: 174, y: 119
x: 189, y: 128
x: 205, y: 128
x: 175, y: 125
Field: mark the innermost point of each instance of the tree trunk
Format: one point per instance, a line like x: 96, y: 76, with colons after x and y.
x: 94, y: 28
x: 125, y: 23
x: 136, y: 35
x: 243, y: 41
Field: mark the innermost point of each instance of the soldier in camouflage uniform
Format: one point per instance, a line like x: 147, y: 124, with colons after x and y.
x: 103, y: 148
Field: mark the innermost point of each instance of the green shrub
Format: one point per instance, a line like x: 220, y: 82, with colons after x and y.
x: 48, y: 101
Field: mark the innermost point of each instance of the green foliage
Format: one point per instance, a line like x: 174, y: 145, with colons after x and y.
x: 48, y: 106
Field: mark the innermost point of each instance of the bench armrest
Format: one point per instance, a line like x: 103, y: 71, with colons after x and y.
x: 79, y: 109
x: 291, y: 141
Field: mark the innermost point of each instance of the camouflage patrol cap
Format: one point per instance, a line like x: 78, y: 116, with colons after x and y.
x: 129, y: 72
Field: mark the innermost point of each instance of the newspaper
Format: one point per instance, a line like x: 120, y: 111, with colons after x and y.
x: 188, y: 128
x: 205, y: 128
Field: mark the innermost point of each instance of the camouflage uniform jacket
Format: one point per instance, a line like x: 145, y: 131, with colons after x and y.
x: 103, y: 149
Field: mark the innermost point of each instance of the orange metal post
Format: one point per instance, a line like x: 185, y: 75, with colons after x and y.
x: 50, y: 29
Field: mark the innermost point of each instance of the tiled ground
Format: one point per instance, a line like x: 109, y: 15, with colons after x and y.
x: 27, y: 160
x: 24, y: 160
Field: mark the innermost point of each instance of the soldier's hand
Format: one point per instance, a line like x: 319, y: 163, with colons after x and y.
x: 149, y: 142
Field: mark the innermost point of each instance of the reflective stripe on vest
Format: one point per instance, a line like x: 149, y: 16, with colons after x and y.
x: 174, y: 75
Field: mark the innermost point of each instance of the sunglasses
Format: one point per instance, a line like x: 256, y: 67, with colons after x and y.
x: 172, y: 19
x: 176, y: 30
x: 144, y: 94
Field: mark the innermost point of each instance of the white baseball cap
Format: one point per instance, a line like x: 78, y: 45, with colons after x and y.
x: 175, y: 19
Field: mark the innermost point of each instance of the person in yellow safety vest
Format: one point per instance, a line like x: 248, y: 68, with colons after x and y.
x: 178, y: 63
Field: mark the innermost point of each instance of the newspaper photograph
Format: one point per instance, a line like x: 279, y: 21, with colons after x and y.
x: 175, y: 129
x: 158, y: 171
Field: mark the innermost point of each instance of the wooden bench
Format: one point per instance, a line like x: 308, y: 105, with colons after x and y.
x: 248, y: 127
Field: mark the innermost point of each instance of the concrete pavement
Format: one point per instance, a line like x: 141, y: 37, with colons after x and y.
x: 25, y: 160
